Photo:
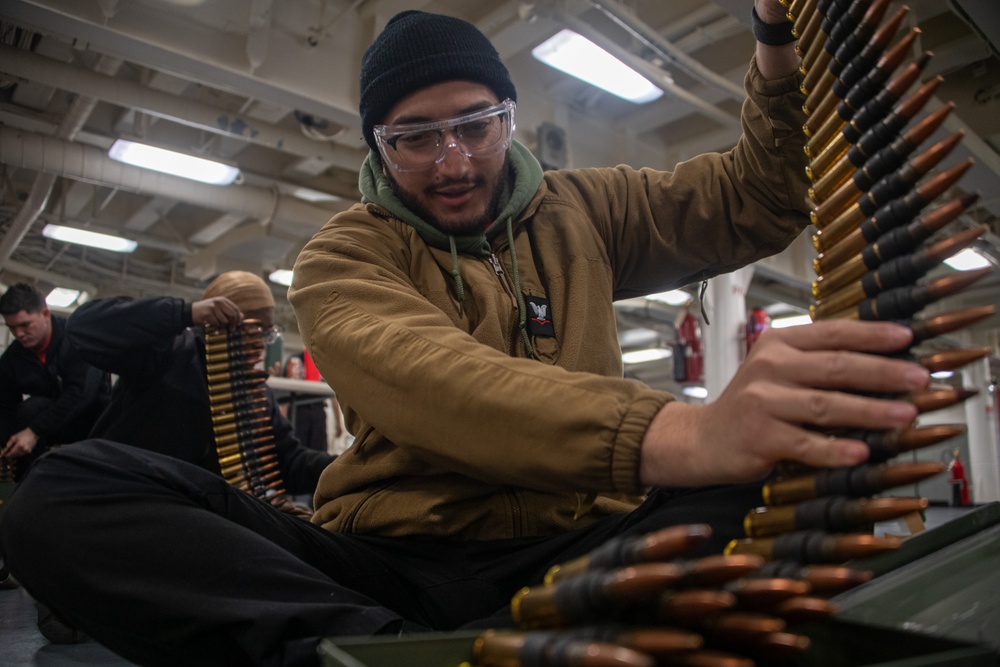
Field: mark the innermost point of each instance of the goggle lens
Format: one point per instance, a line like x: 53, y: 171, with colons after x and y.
x: 418, y: 146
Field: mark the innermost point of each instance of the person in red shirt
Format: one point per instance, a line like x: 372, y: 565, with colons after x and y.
x: 48, y: 394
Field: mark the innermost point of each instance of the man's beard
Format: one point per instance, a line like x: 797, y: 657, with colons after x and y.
x: 457, y: 227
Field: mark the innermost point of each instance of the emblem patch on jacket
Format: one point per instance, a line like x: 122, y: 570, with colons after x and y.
x: 539, y: 317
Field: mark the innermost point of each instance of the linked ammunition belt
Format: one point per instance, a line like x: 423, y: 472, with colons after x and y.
x: 241, y: 423
x: 880, y: 212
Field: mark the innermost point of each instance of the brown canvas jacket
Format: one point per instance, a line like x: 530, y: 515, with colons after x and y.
x: 459, y: 433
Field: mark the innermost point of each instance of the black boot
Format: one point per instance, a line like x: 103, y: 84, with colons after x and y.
x: 55, y: 630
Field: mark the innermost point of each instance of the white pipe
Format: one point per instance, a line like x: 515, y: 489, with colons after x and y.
x: 71, y: 124
x: 35, y: 273
x: 85, y: 163
x: 25, y: 65
x: 984, y: 441
x: 725, y: 341
x: 32, y: 207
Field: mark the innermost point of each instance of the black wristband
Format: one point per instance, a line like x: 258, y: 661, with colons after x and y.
x: 771, y: 34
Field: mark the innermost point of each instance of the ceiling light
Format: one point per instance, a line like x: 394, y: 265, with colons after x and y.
x: 642, y: 356
x: 676, y: 297
x: 967, y: 260
x: 578, y: 56
x: 311, y: 195
x: 695, y: 392
x: 62, y: 297
x: 171, y: 162
x: 792, y: 321
x: 281, y: 277
x: 87, y: 238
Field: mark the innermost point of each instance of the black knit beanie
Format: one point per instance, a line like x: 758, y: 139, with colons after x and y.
x: 416, y: 50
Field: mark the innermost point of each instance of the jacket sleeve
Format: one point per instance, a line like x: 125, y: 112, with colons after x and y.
x: 300, y: 466
x: 127, y: 336
x: 712, y: 214
x: 82, y: 386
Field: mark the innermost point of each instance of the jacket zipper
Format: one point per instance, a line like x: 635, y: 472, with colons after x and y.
x: 497, y: 266
x: 508, y: 289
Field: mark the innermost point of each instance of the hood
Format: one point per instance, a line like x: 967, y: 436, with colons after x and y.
x: 375, y: 189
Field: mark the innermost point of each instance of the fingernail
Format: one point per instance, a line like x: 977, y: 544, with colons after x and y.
x: 917, y: 377
x: 902, y: 412
x: 857, y: 453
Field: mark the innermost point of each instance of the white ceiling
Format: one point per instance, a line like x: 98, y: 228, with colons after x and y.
x: 272, y: 87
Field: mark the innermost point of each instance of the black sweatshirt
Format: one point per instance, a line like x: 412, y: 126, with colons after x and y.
x: 160, y: 401
x: 78, y: 391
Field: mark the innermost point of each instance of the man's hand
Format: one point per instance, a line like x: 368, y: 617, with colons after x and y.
x: 775, y: 62
x: 20, y: 444
x: 793, y: 384
x: 216, y: 313
x: 771, y: 11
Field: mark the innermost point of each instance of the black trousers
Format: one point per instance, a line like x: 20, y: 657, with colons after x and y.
x: 167, y: 564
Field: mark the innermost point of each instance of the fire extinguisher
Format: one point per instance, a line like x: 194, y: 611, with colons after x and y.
x: 758, y: 322
x: 689, y: 344
x: 959, y: 482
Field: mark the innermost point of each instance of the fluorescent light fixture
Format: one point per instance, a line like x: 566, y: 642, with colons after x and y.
x: 172, y: 162
x: 281, y: 277
x: 62, y: 297
x: 311, y: 195
x: 577, y: 56
x: 967, y: 260
x: 792, y: 321
x: 675, y: 297
x: 87, y: 238
x: 642, y: 356
x: 695, y: 392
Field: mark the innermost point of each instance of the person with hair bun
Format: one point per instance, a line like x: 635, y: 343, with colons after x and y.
x: 155, y: 345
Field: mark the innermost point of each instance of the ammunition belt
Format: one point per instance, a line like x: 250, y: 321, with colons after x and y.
x: 241, y: 422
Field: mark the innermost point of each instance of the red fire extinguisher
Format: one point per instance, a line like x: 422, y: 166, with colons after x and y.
x: 959, y: 483
x: 689, y: 346
x: 758, y: 322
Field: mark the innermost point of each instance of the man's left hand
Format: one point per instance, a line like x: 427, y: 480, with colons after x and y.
x: 771, y: 11
x: 775, y: 62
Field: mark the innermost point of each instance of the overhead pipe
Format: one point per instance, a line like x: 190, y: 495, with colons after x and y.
x: 132, y: 95
x: 35, y: 273
x: 86, y: 163
x: 38, y: 197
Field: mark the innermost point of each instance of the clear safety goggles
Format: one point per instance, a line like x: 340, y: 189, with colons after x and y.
x: 418, y: 146
x: 269, y: 335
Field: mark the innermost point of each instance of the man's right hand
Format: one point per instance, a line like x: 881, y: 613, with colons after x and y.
x: 216, y: 313
x: 795, y: 383
x: 20, y: 444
